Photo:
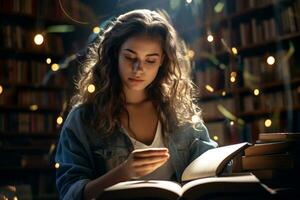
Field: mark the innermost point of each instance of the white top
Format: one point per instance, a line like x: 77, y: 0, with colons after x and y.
x: 166, y: 170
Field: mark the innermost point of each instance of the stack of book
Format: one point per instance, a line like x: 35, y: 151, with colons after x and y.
x: 275, y: 159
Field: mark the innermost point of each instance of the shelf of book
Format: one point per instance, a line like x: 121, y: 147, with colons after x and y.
x: 239, y: 89
x: 32, y: 95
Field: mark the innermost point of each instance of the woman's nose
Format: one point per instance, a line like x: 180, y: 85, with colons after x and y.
x: 136, y: 66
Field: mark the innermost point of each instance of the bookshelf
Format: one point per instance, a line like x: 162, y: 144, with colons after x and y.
x: 248, y: 75
x: 29, y: 105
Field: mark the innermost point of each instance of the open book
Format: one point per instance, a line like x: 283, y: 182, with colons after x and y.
x: 201, y: 177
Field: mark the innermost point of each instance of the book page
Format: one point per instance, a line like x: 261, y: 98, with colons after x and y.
x: 143, y: 188
x: 212, y: 162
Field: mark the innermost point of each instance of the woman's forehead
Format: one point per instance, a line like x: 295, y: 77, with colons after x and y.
x: 142, y: 43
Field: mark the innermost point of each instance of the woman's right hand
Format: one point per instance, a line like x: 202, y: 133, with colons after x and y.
x: 144, y: 161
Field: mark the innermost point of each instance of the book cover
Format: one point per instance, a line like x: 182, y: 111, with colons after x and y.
x: 273, y: 161
x: 274, y: 137
x: 273, y: 148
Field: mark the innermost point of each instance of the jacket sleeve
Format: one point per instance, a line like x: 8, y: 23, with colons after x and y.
x: 75, y: 169
x: 201, y: 142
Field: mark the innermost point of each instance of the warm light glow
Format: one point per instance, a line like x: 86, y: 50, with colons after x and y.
x: 219, y: 7
x: 33, y: 107
x: 59, y: 120
x: 15, y: 198
x: 216, y: 138
x: 234, y: 50
x: 91, y: 88
x: 256, y: 92
x: 209, y: 88
x: 232, y: 79
x: 231, y: 123
x: 48, y: 60
x: 270, y: 60
x: 268, y: 123
x: 38, y: 39
x: 189, y: 1
x: 1, y: 89
x: 223, y: 93
x: 96, y: 29
x: 210, y: 38
x: 55, y: 67
x: 196, y: 119
x: 56, y: 165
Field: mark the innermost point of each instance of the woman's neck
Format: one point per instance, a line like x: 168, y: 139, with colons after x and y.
x: 135, y: 97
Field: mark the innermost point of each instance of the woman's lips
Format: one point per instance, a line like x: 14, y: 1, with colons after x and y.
x: 135, y: 80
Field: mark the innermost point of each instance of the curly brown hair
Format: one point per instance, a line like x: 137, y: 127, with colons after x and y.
x: 172, y: 91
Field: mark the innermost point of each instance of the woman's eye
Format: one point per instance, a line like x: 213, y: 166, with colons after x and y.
x: 129, y: 58
x: 150, y: 61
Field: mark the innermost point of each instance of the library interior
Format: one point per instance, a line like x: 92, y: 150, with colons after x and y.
x: 244, y: 58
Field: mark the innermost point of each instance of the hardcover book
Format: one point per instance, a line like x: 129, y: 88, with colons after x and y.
x: 202, y: 178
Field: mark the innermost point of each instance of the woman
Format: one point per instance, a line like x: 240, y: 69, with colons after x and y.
x: 137, y: 124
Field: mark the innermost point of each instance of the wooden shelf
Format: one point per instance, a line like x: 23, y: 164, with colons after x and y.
x: 260, y: 112
x: 29, y: 19
x: 35, y: 169
x: 27, y: 109
x: 268, y: 86
x: 232, y: 16
x: 241, y: 50
x: 42, y: 135
x: 215, y: 95
x: 278, y: 39
x: 28, y: 86
x: 29, y: 54
x: 213, y: 119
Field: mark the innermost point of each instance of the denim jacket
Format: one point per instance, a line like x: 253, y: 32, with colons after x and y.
x: 84, y: 155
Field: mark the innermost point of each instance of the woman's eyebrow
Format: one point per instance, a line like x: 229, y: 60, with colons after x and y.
x: 151, y: 54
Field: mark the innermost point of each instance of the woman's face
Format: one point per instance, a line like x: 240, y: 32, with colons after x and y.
x: 139, y: 60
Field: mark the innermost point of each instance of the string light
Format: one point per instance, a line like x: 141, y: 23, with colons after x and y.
x: 231, y: 123
x: 270, y: 60
x: 91, y: 88
x: 233, y: 77
x: 256, y: 92
x: 59, y: 120
x: 219, y: 7
x: 209, y: 88
x: 268, y: 123
x: 33, y: 107
x: 96, y: 29
x: 48, y: 60
x: 216, y: 138
x: 56, y: 165
x: 234, y: 50
x: 210, y: 38
x: 15, y: 198
x: 55, y: 67
x: 223, y: 93
x: 189, y: 1
x: 38, y: 39
x: 1, y: 89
